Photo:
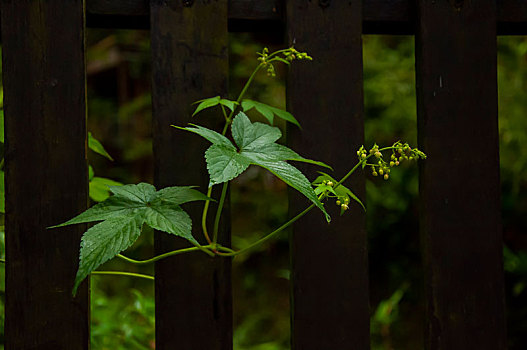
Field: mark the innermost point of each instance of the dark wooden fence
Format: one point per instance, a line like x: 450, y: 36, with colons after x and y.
x: 46, y: 183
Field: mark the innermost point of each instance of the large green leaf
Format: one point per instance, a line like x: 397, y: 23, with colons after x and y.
x: 224, y: 164
x: 141, y: 193
x: 104, y: 241
x: 123, y: 215
x: 180, y: 195
x: 255, y: 145
x: 114, y: 206
x: 251, y: 136
x: 170, y: 218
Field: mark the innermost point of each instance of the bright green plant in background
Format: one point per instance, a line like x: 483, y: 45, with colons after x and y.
x: 123, y: 215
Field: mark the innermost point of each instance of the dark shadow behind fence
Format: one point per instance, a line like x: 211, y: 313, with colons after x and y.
x: 46, y: 170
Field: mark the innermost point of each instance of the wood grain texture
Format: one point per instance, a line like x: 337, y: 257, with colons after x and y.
x: 189, y: 62
x: 459, y: 182
x: 379, y: 16
x: 329, y: 276
x: 46, y: 172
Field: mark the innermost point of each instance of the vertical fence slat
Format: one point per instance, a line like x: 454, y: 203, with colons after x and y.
x: 190, y: 62
x: 46, y: 172
x: 459, y: 182
x: 330, y: 304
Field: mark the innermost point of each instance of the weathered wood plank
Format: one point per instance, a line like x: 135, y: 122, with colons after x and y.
x: 379, y: 16
x: 512, y: 17
x: 388, y: 16
x: 240, y: 9
x: 189, y: 62
x: 46, y: 172
x: 459, y: 182
x: 330, y: 302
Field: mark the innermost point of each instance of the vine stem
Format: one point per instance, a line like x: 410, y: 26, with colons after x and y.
x: 123, y: 273
x: 244, y: 90
x: 162, y: 256
x: 204, y: 216
x: 2, y: 261
x: 272, y: 234
x: 218, y: 212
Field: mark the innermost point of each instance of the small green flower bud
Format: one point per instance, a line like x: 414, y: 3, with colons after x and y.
x: 344, y: 206
x: 378, y: 154
x: 330, y: 183
x: 374, y: 173
x: 381, y: 171
x: 338, y: 202
x: 392, y: 163
x: 363, y: 156
x: 386, y: 176
x: 397, y: 163
x: 410, y: 158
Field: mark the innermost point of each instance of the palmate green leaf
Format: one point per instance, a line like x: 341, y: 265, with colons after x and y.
x: 123, y: 215
x: 97, y: 147
x: 256, y: 145
x: 269, y: 111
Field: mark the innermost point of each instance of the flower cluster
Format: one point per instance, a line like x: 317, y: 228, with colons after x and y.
x: 293, y: 54
x: 380, y: 167
x: 286, y: 56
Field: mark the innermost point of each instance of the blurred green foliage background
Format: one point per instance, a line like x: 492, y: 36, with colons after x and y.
x: 120, y: 116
